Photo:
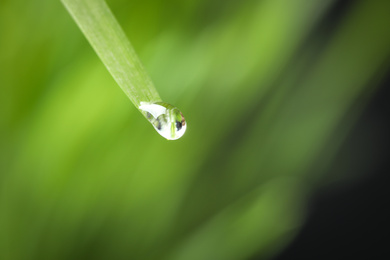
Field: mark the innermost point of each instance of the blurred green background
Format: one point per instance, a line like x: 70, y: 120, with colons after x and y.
x: 270, y: 89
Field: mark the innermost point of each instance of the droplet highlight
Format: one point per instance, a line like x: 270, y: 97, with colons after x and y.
x: 168, y: 121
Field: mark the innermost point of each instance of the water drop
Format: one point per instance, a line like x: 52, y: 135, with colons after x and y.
x: 168, y: 121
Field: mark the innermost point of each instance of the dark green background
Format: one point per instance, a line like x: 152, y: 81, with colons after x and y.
x: 270, y: 89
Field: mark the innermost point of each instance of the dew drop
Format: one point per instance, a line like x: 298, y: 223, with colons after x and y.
x: 168, y: 121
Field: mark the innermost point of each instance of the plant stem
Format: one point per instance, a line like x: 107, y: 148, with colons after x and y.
x: 103, y: 32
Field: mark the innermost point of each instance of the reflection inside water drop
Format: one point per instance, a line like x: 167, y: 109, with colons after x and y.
x: 168, y: 121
